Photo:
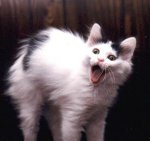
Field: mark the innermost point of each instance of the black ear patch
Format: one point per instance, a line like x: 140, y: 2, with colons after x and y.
x: 32, y: 44
x: 116, y: 47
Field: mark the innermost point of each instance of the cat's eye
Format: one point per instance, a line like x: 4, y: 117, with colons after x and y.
x: 112, y: 57
x: 96, y: 51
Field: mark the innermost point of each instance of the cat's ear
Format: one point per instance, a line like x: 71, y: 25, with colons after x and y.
x: 127, y: 48
x: 95, y: 35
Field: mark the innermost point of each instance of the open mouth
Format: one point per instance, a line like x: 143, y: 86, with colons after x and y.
x: 97, y: 74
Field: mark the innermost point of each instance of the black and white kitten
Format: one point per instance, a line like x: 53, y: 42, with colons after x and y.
x: 76, y: 79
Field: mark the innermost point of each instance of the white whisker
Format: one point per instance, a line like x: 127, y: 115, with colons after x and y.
x: 104, y: 71
x: 112, y: 76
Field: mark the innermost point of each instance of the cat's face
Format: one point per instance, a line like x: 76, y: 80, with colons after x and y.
x: 109, y: 62
x: 103, y: 60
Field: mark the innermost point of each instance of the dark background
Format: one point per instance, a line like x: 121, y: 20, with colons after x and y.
x: 129, y: 118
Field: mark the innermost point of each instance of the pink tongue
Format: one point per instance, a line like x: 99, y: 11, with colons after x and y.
x: 96, y: 75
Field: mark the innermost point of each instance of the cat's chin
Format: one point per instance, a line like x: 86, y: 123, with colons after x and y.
x: 97, y: 74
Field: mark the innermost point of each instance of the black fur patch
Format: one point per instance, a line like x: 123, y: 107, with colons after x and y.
x: 32, y: 44
x: 116, y: 47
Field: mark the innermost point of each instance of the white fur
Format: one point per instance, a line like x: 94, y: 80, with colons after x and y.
x: 59, y: 77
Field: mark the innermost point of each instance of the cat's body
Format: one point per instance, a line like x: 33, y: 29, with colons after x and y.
x: 65, y: 73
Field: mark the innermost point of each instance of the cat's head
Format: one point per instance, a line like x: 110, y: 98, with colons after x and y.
x: 109, y: 62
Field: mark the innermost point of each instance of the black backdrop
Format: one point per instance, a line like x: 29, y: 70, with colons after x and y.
x: 129, y: 118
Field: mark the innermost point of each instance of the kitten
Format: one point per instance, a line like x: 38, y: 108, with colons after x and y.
x: 74, y: 80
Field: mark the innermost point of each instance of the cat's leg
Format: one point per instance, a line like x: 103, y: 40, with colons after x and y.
x: 95, y: 129
x: 71, y: 130
x: 29, y: 113
x: 28, y: 101
x: 65, y: 131
x: 53, y: 117
x: 64, y: 127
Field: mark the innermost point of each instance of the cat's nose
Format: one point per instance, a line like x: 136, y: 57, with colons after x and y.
x: 100, y: 60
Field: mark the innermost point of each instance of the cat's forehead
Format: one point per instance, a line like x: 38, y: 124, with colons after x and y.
x: 106, y: 47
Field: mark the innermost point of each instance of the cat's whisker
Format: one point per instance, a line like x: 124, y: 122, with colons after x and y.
x: 106, y: 89
x: 112, y: 76
x: 104, y: 71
